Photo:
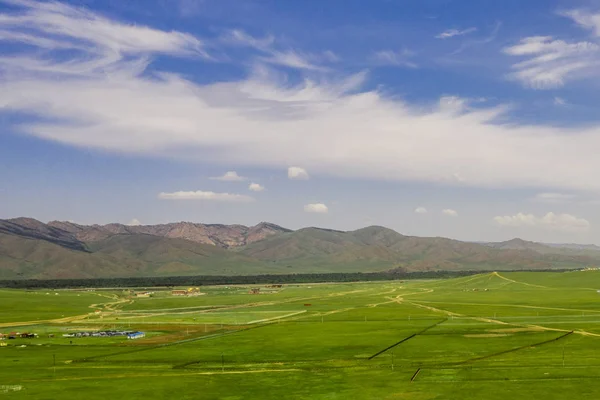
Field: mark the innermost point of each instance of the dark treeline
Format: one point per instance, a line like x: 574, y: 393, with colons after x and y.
x: 170, y: 281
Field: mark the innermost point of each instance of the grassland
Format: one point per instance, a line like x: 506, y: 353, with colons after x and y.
x: 488, y: 336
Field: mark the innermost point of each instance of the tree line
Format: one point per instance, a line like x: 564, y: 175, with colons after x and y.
x: 171, y: 281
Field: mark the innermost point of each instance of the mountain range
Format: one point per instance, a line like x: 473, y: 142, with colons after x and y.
x: 58, y: 249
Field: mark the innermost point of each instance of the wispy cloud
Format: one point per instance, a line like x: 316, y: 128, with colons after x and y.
x: 292, y: 59
x: 585, y: 19
x: 102, y: 44
x: 420, y: 210
x: 455, y: 32
x: 241, y: 38
x: 552, y: 62
x: 395, y: 58
x: 208, y: 196
x: 560, y: 102
x: 272, y: 55
x: 479, y: 41
x: 554, y: 198
x: 551, y: 221
x: 112, y: 100
x: 331, y: 56
x: 229, y: 176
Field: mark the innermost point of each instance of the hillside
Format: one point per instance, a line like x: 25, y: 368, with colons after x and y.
x: 32, y: 249
x: 377, y: 246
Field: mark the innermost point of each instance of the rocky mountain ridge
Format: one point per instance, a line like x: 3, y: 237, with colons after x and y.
x: 225, y: 236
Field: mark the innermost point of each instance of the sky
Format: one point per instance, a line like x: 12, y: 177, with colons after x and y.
x: 470, y: 119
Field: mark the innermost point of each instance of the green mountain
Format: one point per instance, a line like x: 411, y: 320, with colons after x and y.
x: 379, y: 247
x: 32, y: 249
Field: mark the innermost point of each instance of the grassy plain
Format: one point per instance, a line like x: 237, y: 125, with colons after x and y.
x: 488, y: 336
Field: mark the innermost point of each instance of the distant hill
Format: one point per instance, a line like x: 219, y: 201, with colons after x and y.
x: 32, y: 249
x: 384, y: 248
x: 548, y: 248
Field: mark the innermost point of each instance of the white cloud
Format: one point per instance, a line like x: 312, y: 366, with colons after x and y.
x: 551, y: 221
x: 297, y: 173
x: 209, y: 196
x: 113, y: 101
x: 552, y: 62
x: 256, y: 187
x: 549, y: 197
x: 421, y: 210
x: 585, y: 19
x: 395, y: 58
x: 455, y: 32
x: 134, y: 222
x: 318, y: 208
x: 229, y: 176
x: 449, y: 212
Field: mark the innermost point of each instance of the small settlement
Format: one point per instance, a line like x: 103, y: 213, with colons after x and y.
x: 128, y: 334
x: 187, y: 292
x: 107, y: 333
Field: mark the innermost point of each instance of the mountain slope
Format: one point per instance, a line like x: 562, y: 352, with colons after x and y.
x: 122, y: 256
x: 167, y: 256
x: 34, y: 229
x: 378, y: 247
x: 32, y: 249
x: 23, y: 257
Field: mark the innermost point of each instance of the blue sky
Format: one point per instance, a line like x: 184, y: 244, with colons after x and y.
x: 468, y: 119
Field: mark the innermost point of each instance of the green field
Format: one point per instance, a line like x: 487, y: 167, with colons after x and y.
x: 488, y: 336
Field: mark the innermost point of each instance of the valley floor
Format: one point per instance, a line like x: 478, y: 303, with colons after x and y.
x: 488, y: 336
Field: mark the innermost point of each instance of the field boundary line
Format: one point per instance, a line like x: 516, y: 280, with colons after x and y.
x: 275, y: 318
x: 407, y: 338
x: 511, y: 305
x: 415, y: 375
x: 472, y: 360
x: 521, y: 283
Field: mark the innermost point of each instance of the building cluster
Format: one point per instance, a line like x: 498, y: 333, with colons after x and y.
x: 128, y: 334
x: 143, y: 294
x: 187, y: 292
x: 17, y: 335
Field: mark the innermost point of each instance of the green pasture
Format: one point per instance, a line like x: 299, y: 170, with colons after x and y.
x: 37, y: 305
x: 488, y: 336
